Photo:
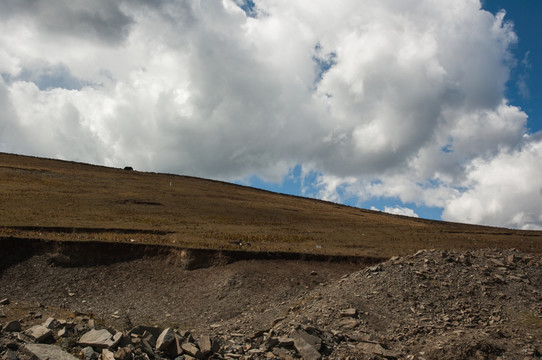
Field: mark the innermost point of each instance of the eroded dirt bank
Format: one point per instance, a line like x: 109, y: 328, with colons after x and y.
x: 154, y: 284
x: 483, y: 304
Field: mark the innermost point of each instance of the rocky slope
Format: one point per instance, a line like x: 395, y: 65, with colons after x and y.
x: 484, y: 304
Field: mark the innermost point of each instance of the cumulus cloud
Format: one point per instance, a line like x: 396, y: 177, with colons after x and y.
x: 505, y: 190
x: 401, y: 99
x: 399, y: 210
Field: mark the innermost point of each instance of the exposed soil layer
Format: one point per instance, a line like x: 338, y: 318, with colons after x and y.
x: 160, y: 285
x: 483, y: 304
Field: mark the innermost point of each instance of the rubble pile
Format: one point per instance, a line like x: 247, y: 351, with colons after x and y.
x: 483, y: 304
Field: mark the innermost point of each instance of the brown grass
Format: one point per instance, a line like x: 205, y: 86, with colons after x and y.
x: 59, y: 200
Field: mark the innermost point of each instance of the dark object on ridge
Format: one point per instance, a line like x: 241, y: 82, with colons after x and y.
x: 129, y: 168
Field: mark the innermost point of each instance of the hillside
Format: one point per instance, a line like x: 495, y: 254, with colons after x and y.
x: 68, y: 201
x: 231, y: 272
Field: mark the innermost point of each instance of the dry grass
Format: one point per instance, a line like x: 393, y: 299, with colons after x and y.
x: 59, y: 200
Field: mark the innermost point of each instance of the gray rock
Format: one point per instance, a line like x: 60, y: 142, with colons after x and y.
x: 97, y: 338
x: 147, y: 348
x: 496, y: 262
x: 165, y: 339
x: 92, y: 325
x: 47, y: 352
x: 107, y: 355
x: 150, y: 338
x: 117, y: 338
x: 80, y: 328
x: 13, y: 326
x: 312, y: 340
x: 271, y: 342
x: 306, y: 350
x: 123, y: 353
x: 192, y: 350
x: 13, y: 345
x: 51, y: 323
x: 376, y: 349
x: 10, y: 355
x: 62, y: 332
x: 40, y: 334
x: 175, y: 348
x: 286, y: 342
x: 348, y: 323
x: 204, y: 344
x: 88, y: 353
x: 207, y: 346
x: 351, y: 312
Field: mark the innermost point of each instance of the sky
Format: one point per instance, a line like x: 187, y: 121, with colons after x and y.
x: 414, y: 107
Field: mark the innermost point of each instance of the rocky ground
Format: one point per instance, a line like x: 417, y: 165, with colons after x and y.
x: 484, y: 304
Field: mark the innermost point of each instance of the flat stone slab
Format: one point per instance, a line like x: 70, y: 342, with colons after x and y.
x: 97, y: 338
x: 47, y: 352
x: 39, y: 333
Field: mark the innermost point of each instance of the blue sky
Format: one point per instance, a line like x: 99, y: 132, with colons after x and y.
x: 415, y: 107
x: 526, y: 16
x: 523, y: 89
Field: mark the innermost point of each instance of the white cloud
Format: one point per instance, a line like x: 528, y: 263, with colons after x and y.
x: 503, y: 191
x: 379, y: 98
x: 399, y: 210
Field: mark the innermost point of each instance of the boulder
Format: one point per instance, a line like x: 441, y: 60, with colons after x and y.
x: 307, y: 345
x: 117, y: 339
x: 10, y: 355
x: 88, y: 353
x: 46, y: 352
x: 62, y: 332
x: 271, y: 342
x: 51, y: 323
x: 306, y: 350
x: 40, y: 334
x: 147, y: 348
x: 192, y: 350
x: 13, y: 326
x: 150, y: 338
x: 165, y: 339
x: 286, y: 342
x: 207, y: 346
x: 312, y: 340
x: 93, y: 325
x: 175, y: 348
x: 97, y: 338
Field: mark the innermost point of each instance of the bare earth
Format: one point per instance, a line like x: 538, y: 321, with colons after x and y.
x: 249, y: 294
x: 483, y: 304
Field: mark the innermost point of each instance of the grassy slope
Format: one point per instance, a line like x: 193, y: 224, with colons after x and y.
x: 61, y: 200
